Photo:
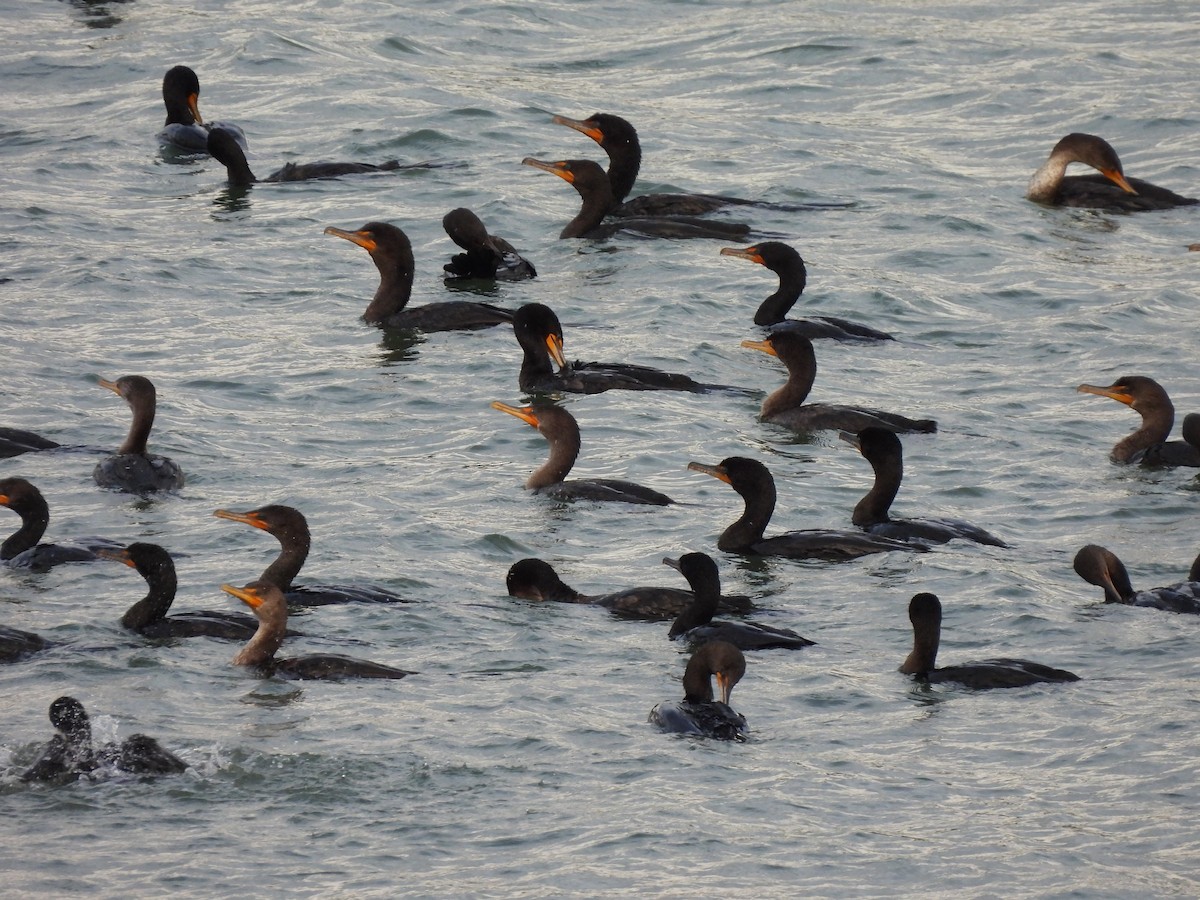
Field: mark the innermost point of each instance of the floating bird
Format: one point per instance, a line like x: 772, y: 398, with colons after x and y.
x: 15, y: 441
x: 1110, y: 190
x: 699, y: 713
x: 786, y: 405
x: 185, y: 130
x: 486, y: 256
x: 561, y: 431
x: 785, y: 262
x: 392, y: 254
x: 1101, y: 567
x: 16, y: 644
x: 753, y: 481
x: 1148, y: 445
x: 882, y: 449
x: 925, y: 613
x: 21, y: 549
x: 133, y: 469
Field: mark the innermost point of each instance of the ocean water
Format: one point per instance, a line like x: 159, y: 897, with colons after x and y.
x: 518, y: 762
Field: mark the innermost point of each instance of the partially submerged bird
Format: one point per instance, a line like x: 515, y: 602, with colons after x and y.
x: 786, y: 405
x: 696, y: 626
x: 1101, y: 567
x: 270, y: 607
x: 1110, y: 190
x: 185, y: 129
x: 134, y: 469
x: 561, y: 431
x: 752, y: 480
x: 1148, y: 444
x: 15, y: 441
x: 391, y: 251
x: 883, y: 450
x: 70, y: 755
x: 485, y: 255
x: 16, y: 644
x: 289, y: 526
x: 21, y: 549
x: 536, y: 580
x: 699, y: 713
x: 785, y: 262
x: 925, y: 613
x: 596, y: 197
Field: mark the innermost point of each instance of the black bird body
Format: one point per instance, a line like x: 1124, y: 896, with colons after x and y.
x: 391, y: 251
x: 1110, y: 190
x: 484, y: 255
x: 223, y: 146
x: 133, y: 469
x: 16, y: 644
x: 1148, y: 445
x: 700, y: 713
x: 21, y: 549
x: 1101, y: 567
x: 184, y: 129
x: 15, y: 441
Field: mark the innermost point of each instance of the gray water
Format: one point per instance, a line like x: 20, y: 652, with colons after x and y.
x: 519, y: 761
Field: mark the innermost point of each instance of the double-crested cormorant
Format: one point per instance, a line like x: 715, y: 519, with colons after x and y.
x: 536, y: 580
x: 69, y: 754
x: 288, y: 526
x: 752, y: 480
x: 699, y: 713
x: 486, y: 256
x: 225, y: 149
x: 882, y: 449
x: 785, y: 262
x: 925, y: 613
x: 1109, y: 190
x: 597, y: 201
x: 185, y: 130
x: 541, y: 338
x: 270, y: 607
x: 16, y: 644
x: 21, y: 549
x: 561, y: 431
x: 133, y: 469
x: 15, y: 441
x: 1101, y: 567
x: 786, y: 406
x: 148, y: 617
x: 392, y: 254
x: 695, y: 623
x: 1147, y: 445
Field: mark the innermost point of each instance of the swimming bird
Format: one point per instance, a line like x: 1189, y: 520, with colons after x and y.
x: 70, y: 754
x: 785, y: 262
x: 185, y: 129
x: 882, y: 449
x: 596, y: 198
x: 148, y: 617
x: 540, y: 335
x: 1147, y: 445
x: 786, y: 405
x: 391, y: 251
x: 288, y: 526
x: 696, y: 626
x: 16, y: 644
x: 1101, y: 567
x: 486, y: 256
x: 753, y: 481
x: 21, y: 549
x: 270, y: 607
x: 561, y: 431
x: 133, y: 469
x: 925, y: 613
x: 224, y: 148
x: 536, y: 580
x: 1110, y: 190
x: 15, y: 441
x: 699, y: 713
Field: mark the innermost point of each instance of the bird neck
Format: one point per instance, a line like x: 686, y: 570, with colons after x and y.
x: 153, y: 607
x: 624, y: 163
x: 873, y: 508
x: 35, y: 516
x: 293, y: 551
x: 395, y: 288
x: 597, y: 203
x: 1047, y: 181
x: 564, y: 450
x: 1157, y: 421
x: 139, y: 430
x: 699, y: 612
x: 792, y: 280
x: 802, y: 372
x: 923, y: 657
x: 749, y: 528
x: 261, y: 648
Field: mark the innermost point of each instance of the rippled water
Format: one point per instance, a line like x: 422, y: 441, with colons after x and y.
x: 519, y: 763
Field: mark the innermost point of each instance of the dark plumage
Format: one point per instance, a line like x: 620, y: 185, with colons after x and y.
x: 15, y: 441
x: 786, y: 405
x: 486, y: 255
x: 696, y: 626
x: 21, y: 549
x: 536, y: 580
x: 699, y: 713
x: 752, y: 480
x: 288, y: 526
x: 561, y: 431
x: 1110, y: 190
x: 16, y: 644
x: 785, y: 262
x: 270, y: 607
x: 595, y: 193
x: 883, y: 450
x: 184, y: 129
x: 1148, y: 445
x: 1101, y: 567
x: 925, y: 613
x: 392, y: 254
x: 134, y: 469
